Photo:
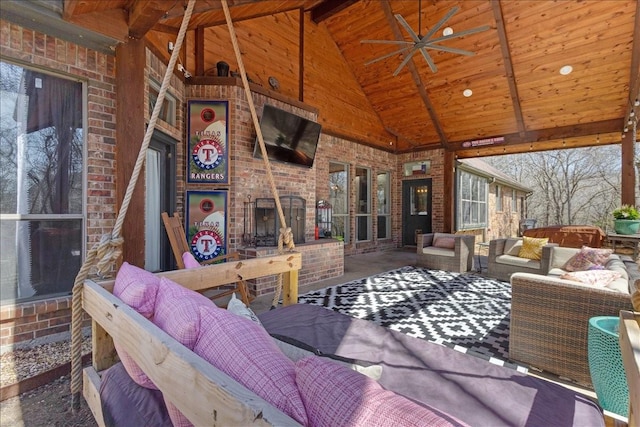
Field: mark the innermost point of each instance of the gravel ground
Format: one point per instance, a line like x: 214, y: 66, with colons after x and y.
x: 20, y: 364
x: 48, y: 405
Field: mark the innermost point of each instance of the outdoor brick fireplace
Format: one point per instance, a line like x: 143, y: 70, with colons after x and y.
x: 266, y: 220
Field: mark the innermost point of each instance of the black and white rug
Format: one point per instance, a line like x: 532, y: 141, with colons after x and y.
x: 466, y: 312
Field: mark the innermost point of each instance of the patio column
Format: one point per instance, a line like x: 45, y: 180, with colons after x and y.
x: 130, y: 131
x: 628, y: 192
x: 449, y: 191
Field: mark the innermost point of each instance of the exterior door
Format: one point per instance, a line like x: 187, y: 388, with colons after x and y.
x: 160, y: 196
x: 416, y: 210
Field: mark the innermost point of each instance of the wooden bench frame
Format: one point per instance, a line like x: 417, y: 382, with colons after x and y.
x: 213, y: 398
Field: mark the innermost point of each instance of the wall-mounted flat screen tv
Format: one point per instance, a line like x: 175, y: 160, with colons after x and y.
x: 287, y: 137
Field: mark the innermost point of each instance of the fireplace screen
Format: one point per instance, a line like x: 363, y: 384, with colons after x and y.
x: 267, y: 222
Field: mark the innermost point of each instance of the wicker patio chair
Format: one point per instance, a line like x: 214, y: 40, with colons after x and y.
x: 550, y: 319
x: 503, y: 259
x: 443, y: 251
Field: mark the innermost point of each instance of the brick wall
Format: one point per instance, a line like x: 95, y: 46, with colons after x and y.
x: 24, y: 322
x: 436, y: 157
x: 35, y: 320
x: 321, y: 260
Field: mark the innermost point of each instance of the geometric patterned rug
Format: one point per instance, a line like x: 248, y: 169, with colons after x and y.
x: 466, y: 312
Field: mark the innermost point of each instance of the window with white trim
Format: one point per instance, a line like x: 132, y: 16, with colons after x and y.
x: 363, y: 204
x: 339, y: 199
x: 498, y: 198
x: 41, y: 183
x: 383, y: 203
x: 472, y: 196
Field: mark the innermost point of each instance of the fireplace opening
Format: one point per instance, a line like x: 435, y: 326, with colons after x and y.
x: 267, y: 221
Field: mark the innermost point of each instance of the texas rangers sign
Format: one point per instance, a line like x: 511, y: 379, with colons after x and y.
x: 206, y: 223
x: 207, y: 145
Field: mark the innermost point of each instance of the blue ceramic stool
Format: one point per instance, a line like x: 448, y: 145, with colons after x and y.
x: 605, y: 365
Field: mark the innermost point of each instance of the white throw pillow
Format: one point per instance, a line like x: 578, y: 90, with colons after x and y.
x: 236, y: 306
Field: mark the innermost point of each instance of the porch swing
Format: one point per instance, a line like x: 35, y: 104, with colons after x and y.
x: 106, y: 311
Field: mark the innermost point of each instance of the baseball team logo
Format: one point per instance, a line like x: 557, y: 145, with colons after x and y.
x: 207, y: 153
x: 206, y: 244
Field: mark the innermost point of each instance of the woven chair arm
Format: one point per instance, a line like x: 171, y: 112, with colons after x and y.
x: 549, y: 322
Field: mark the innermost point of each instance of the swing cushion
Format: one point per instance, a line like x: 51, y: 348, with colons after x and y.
x: 265, y: 370
x: 189, y: 260
x: 337, y: 396
x: 138, y: 289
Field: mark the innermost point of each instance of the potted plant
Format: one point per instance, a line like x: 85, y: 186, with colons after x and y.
x: 627, y: 219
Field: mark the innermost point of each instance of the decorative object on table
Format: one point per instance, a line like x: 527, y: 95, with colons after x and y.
x: 627, y: 219
x: 223, y: 69
x: 605, y: 365
x: 207, y: 142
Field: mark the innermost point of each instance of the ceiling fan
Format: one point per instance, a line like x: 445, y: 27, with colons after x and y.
x: 422, y: 43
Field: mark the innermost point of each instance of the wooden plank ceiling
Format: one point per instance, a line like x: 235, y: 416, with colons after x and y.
x: 520, y: 101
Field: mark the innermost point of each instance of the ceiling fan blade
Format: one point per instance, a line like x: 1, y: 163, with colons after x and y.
x: 406, y: 26
x: 461, y: 33
x: 404, y: 61
x: 444, y: 19
x: 387, y: 42
x: 395, y: 52
x: 449, y: 49
x: 427, y: 58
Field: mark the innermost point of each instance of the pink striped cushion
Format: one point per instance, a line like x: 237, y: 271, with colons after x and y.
x: 138, y: 289
x: 177, y: 311
x: 244, y: 350
x: 189, y: 260
x: 337, y: 396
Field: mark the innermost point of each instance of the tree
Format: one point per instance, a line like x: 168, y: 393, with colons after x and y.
x: 571, y: 186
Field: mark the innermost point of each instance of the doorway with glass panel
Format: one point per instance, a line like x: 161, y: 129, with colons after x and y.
x: 416, y: 210
x: 160, y: 196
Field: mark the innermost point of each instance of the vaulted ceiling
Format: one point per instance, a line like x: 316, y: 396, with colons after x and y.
x: 520, y: 101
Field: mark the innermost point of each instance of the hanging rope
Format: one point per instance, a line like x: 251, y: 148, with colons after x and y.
x: 109, y: 249
x: 286, y: 236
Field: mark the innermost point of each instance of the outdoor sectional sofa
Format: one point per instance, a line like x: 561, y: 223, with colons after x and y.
x: 550, y: 315
x: 503, y: 259
x: 173, y: 352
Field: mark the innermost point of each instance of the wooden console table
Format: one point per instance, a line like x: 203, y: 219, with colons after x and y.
x: 626, y: 240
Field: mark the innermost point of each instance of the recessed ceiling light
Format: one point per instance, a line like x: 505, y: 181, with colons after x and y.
x: 447, y: 31
x: 567, y: 69
x: 467, y: 92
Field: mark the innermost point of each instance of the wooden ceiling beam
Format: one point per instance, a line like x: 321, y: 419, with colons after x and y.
x: 199, y: 48
x: 541, y: 135
x: 111, y: 23
x: 144, y: 14
x: 411, y: 66
x: 634, y: 72
x: 328, y: 8
x: 69, y: 8
x: 203, y: 6
x: 508, y: 64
